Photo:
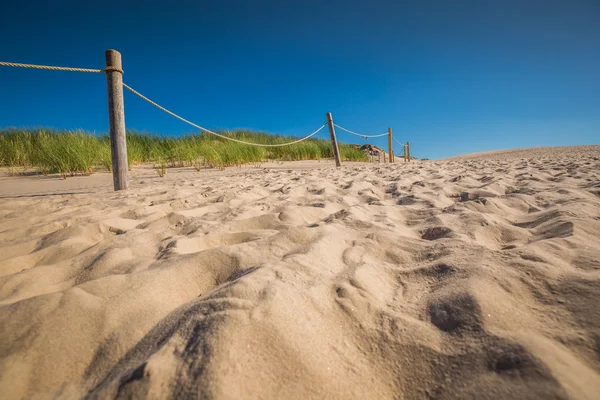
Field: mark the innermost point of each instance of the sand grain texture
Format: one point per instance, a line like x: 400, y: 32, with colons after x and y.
x: 472, y: 277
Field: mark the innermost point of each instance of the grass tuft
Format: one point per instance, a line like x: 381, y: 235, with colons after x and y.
x: 76, y: 152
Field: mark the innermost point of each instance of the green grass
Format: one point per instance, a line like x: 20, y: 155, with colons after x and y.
x: 76, y: 152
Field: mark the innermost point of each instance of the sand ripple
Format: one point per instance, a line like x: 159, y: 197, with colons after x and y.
x: 472, y: 277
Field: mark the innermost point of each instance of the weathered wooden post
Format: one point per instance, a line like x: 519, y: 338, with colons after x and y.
x: 116, y: 118
x: 390, y: 149
x: 408, y: 151
x: 336, y: 151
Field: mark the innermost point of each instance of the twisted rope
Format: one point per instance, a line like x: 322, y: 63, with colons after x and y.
x: 48, y: 67
x: 214, y: 133
x: 358, y: 134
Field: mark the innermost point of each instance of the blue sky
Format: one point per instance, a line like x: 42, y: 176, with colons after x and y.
x: 452, y: 77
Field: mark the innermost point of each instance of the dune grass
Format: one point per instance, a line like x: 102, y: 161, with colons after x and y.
x: 77, y: 152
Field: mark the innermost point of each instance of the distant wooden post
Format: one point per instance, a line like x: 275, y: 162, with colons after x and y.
x: 404, y: 152
x: 390, y: 149
x: 408, y: 151
x: 116, y: 118
x: 336, y: 151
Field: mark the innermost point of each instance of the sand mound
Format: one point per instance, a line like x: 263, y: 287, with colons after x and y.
x: 473, y: 277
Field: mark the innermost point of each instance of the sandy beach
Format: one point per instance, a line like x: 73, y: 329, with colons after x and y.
x: 471, y: 277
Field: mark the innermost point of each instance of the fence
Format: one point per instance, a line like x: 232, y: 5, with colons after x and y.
x: 116, y: 115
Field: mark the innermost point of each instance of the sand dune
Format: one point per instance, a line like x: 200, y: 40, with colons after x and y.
x: 472, y: 277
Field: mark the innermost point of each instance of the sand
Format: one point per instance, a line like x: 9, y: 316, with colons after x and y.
x: 471, y: 277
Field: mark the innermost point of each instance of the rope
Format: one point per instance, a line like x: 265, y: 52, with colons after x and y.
x: 48, y: 67
x: 358, y: 134
x: 401, y: 144
x: 113, y: 69
x: 214, y: 133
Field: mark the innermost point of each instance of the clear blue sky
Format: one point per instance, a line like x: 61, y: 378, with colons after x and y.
x: 450, y: 76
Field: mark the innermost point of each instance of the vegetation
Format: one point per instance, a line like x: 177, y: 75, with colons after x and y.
x: 76, y: 152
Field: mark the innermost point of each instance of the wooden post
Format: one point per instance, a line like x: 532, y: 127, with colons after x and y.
x: 336, y: 151
x: 116, y: 118
x: 391, y: 155
x: 408, y: 151
x: 404, y: 152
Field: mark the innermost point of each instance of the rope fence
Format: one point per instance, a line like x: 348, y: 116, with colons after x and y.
x: 217, y: 134
x: 360, y: 134
x: 114, y: 74
x: 405, y: 149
